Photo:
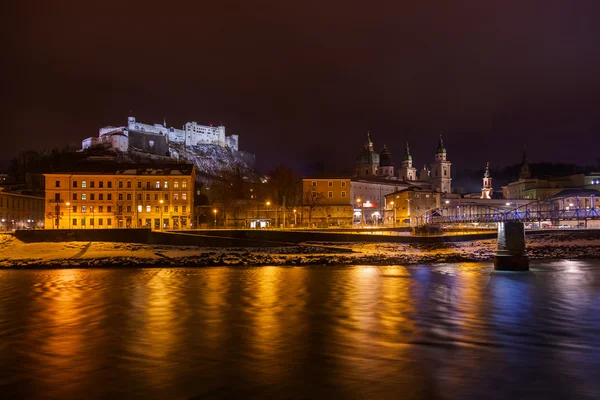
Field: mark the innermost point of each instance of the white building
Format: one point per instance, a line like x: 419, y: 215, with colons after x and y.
x: 192, y: 134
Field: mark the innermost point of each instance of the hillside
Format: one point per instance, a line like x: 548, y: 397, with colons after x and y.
x: 217, y: 161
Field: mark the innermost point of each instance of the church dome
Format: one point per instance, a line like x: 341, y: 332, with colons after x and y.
x: 385, y: 158
x: 367, y: 157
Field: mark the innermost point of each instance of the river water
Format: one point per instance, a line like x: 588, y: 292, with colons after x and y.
x: 448, y: 331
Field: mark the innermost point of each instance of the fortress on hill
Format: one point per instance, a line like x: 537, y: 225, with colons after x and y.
x: 156, y: 138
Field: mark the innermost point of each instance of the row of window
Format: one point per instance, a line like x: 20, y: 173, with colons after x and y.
x: 330, y: 184
x: 109, y: 184
x: 330, y: 194
x: 91, y: 220
x: 140, y: 208
x: 128, y: 196
x: 5, y: 201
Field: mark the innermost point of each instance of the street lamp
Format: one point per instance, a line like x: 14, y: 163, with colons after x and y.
x: 215, y: 214
x: 362, y: 219
x: 295, y: 223
x: 268, y: 203
x: 408, y: 213
x: 69, y: 208
x: 161, y: 201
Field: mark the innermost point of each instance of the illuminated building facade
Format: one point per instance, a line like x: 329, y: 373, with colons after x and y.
x: 403, y: 206
x: 19, y: 211
x: 121, y: 196
x: 325, y: 201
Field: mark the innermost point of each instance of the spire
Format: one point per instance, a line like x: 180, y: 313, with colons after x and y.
x: 165, y: 122
x: 441, y: 148
x: 525, y: 171
x: 369, y: 144
x: 407, y: 155
x: 487, y: 170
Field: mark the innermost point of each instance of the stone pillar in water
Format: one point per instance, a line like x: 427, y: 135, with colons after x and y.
x: 511, y: 254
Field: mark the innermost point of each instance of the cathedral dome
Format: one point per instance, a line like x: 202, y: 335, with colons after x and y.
x: 385, y: 158
x: 367, y: 157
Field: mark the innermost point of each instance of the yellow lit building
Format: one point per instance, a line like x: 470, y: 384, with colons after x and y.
x: 19, y: 211
x: 325, y: 202
x: 121, y: 196
x: 403, y: 207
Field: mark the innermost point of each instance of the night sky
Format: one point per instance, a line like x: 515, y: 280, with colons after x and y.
x: 303, y: 83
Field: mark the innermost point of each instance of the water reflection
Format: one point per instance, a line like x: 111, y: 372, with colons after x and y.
x: 442, y: 331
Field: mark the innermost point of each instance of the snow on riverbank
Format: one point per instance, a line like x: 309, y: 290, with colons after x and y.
x: 14, y: 253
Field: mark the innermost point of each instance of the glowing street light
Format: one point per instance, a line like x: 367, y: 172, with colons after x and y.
x: 295, y: 215
x: 215, y: 215
x: 362, y: 218
x: 69, y: 208
x: 268, y: 203
x: 161, y: 201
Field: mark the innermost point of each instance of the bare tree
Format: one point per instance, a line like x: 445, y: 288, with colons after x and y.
x: 312, y: 200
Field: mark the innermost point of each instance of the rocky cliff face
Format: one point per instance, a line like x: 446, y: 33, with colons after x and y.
x: 216, y: 160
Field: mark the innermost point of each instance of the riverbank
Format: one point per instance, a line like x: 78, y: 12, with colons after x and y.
x: 17, y: 254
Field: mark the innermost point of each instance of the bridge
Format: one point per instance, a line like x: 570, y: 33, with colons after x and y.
x: 567, y: 205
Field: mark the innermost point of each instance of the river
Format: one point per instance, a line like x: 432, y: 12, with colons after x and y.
x: 448, y: 331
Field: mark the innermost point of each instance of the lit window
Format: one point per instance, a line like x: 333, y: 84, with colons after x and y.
x: 83, y: 184
x: 140, y: 208
x: 176, y: 185
x: 166, y: 185
x: 148, y: 209
x: 183, y: 196
x: 157, y: 184
x: 83, y: 196
x: 183, y: 184
x: 176, y: 196
x: 83, y: 209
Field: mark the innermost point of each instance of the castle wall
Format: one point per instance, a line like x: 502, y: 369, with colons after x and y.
x: 152, y: 143
x: 155, y: 138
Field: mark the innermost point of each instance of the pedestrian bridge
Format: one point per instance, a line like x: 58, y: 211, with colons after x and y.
x: 567, y: 205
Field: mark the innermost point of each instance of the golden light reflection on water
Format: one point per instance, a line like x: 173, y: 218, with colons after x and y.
x: 156, y: 320
x: 66, y: 336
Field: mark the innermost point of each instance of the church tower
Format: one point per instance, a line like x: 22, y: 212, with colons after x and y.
x: 441, y: 180
x: 486, y: 191
x: 407, y: 172
x: 424, y: 174
x: 367, y: 162
x: 525, y: 171
x: 386, y: 168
